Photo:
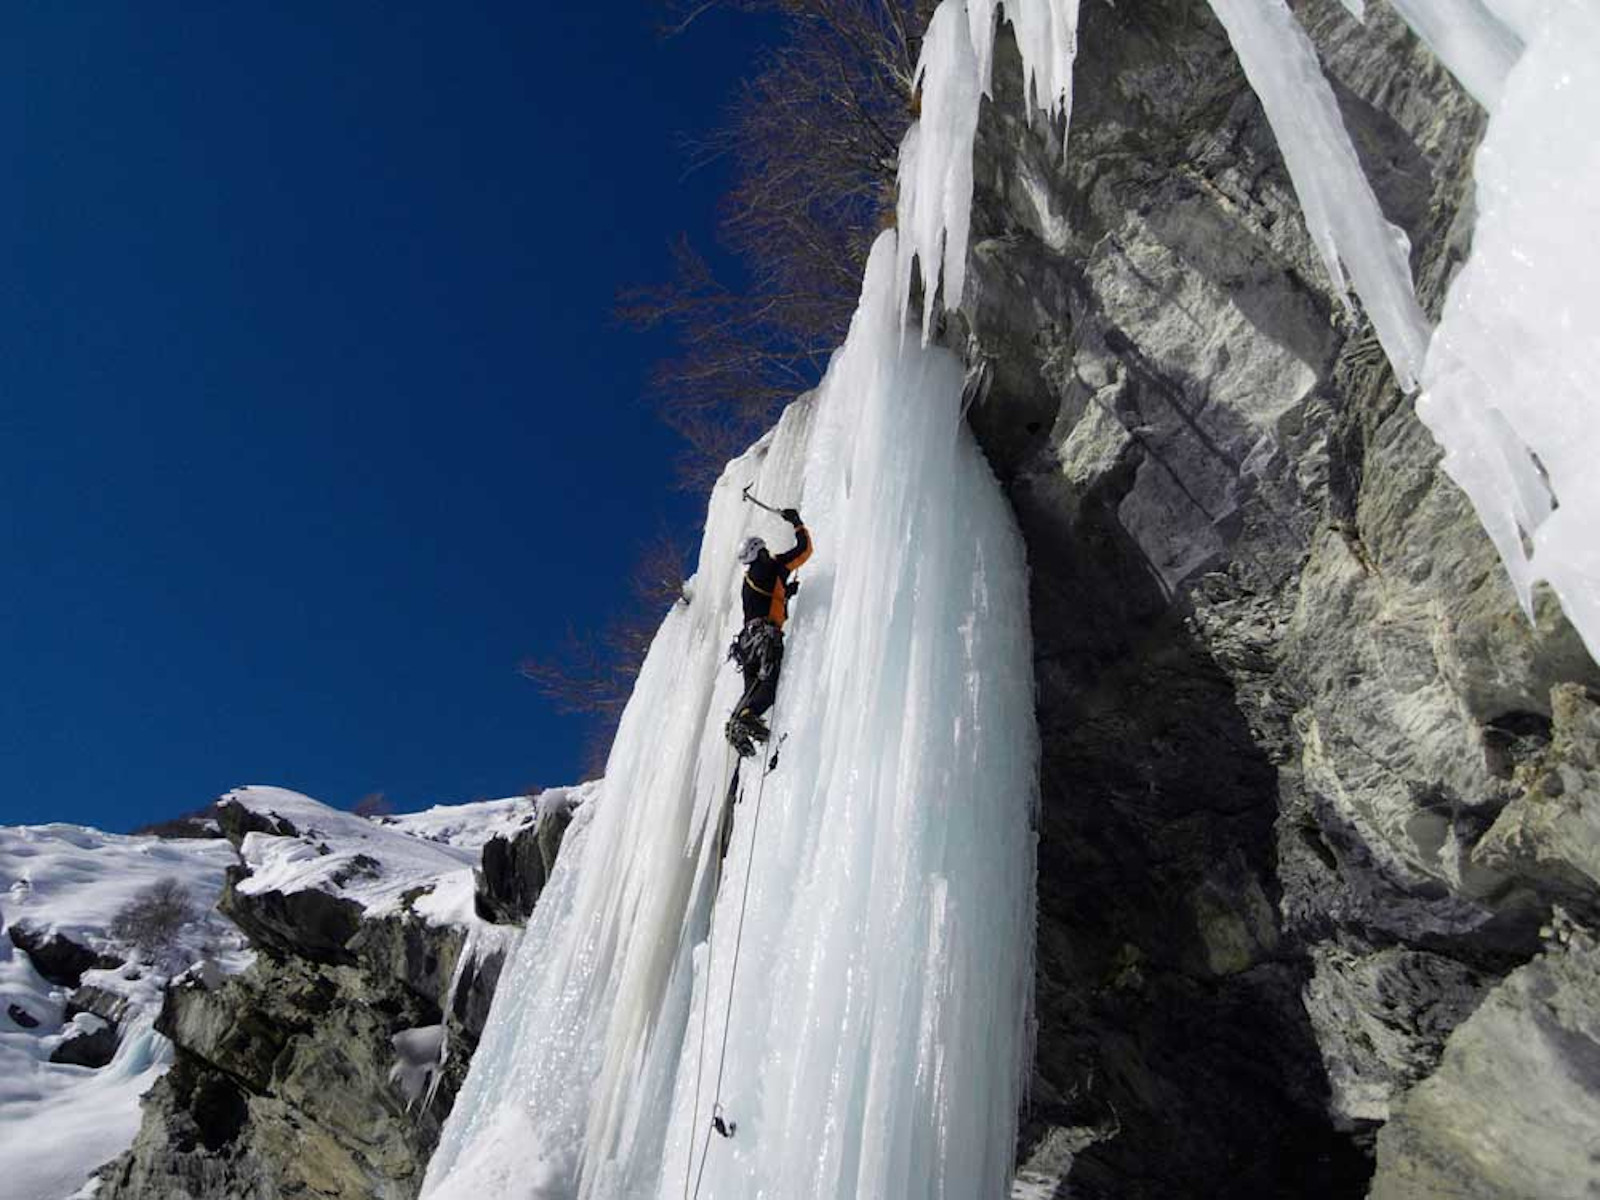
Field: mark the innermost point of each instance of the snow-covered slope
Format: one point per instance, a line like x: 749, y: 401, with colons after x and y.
x: 878, y: 893
x: 59, y: 1121
x: 377, y: 864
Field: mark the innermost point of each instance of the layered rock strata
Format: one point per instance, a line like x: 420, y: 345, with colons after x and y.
x: 1312, y: 784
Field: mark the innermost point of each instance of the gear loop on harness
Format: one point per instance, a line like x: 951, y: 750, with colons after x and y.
x: 759, y: 642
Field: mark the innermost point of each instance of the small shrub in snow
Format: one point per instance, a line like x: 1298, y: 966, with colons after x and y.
x: 154, y: 918
x: 373, y: 805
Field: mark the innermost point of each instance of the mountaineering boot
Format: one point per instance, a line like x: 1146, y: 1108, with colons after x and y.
x: 739, y: 738
x: 757, y: 727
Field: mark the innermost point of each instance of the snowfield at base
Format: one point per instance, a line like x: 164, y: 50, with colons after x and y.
x: 57, y: 1121
x: 877, y: 1044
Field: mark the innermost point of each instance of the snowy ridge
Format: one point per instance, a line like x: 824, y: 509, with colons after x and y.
x: 374, y: 863
x: 470, y: 826
x: 60, y: 1121
x: 878, y: 1040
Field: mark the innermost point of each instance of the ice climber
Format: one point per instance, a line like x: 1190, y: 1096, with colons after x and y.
x: 759, y: 647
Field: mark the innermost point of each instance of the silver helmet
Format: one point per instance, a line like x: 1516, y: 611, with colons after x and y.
x: 750, y: 549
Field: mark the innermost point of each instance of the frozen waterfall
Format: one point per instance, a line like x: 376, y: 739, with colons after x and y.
x: 878, y: 1040
x: 879, y: 1015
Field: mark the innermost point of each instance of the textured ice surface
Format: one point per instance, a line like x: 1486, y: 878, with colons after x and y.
x: 933, y: 211
x: 1511, y: 375
x: 1341, y: 212
x: 878, y: 1035
x: 1466, y: 36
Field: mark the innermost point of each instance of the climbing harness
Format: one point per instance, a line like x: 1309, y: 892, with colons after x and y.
x: 759, y: 641
x: 719, y: 1123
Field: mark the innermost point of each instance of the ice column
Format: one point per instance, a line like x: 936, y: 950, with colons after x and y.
x: 934, y: 206
x: 1510, y: 378
x: 878, y: 1042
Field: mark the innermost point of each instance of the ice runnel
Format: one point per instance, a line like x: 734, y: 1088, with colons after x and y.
x: 880, y: 1012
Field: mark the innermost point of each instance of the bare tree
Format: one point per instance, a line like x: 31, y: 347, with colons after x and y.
x: 593, y: 673
x: 154, y: 918
x: 814, y: 138
x: 373, y: 804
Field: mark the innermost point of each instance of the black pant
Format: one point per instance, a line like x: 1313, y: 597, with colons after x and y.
x: 762, y: 665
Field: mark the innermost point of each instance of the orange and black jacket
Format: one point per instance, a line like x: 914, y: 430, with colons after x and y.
x: 766, y: 581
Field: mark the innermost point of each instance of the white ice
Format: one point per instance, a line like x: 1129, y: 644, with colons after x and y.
x: 879, y: 1015
x: 933, y: 210
x: 1341, y: 212
x: 1477, y: 47
x: 1509, y: 382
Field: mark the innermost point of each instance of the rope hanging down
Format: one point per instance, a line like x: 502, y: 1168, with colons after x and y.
x: 717, y: 1124
x: 711, y: 945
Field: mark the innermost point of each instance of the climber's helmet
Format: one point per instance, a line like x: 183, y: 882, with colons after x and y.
x: 750, y: 549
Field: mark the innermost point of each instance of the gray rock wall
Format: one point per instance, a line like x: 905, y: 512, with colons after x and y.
x: 284, y: 1085
x: 1312, y: 784
x: 288, y: 1080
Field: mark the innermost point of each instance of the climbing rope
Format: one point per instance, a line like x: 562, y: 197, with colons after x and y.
x: 711, y: 944
x: 716, y: 1123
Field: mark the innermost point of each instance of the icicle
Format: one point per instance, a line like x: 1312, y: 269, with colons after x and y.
x: 934, y: 210
x: 1472, y: 43
x: 879, y: 1038
x: 1509, y: 381
x: 1341, y: 212
x: 1047, y: 36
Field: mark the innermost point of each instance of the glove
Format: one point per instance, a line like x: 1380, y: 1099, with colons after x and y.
x: 791, y: 587
x: 791, y: 515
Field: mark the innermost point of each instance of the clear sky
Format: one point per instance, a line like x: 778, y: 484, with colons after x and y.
x: 314, y: 419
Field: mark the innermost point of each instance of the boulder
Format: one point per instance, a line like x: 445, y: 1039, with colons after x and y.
x: 515, y: 869
x: 308, y: 924
x: 21, y: 1017
x: 87, y: 1041
x: 1513, y: 1108
x: 57, y: 957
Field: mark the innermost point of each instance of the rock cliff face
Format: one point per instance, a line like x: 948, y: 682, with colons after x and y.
x: 314, y: 1073
x: 1313, y: 786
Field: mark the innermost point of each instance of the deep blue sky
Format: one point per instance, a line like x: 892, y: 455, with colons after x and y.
x: 313, y: 416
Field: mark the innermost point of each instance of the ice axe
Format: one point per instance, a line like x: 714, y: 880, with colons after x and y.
x: 746, y: 494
